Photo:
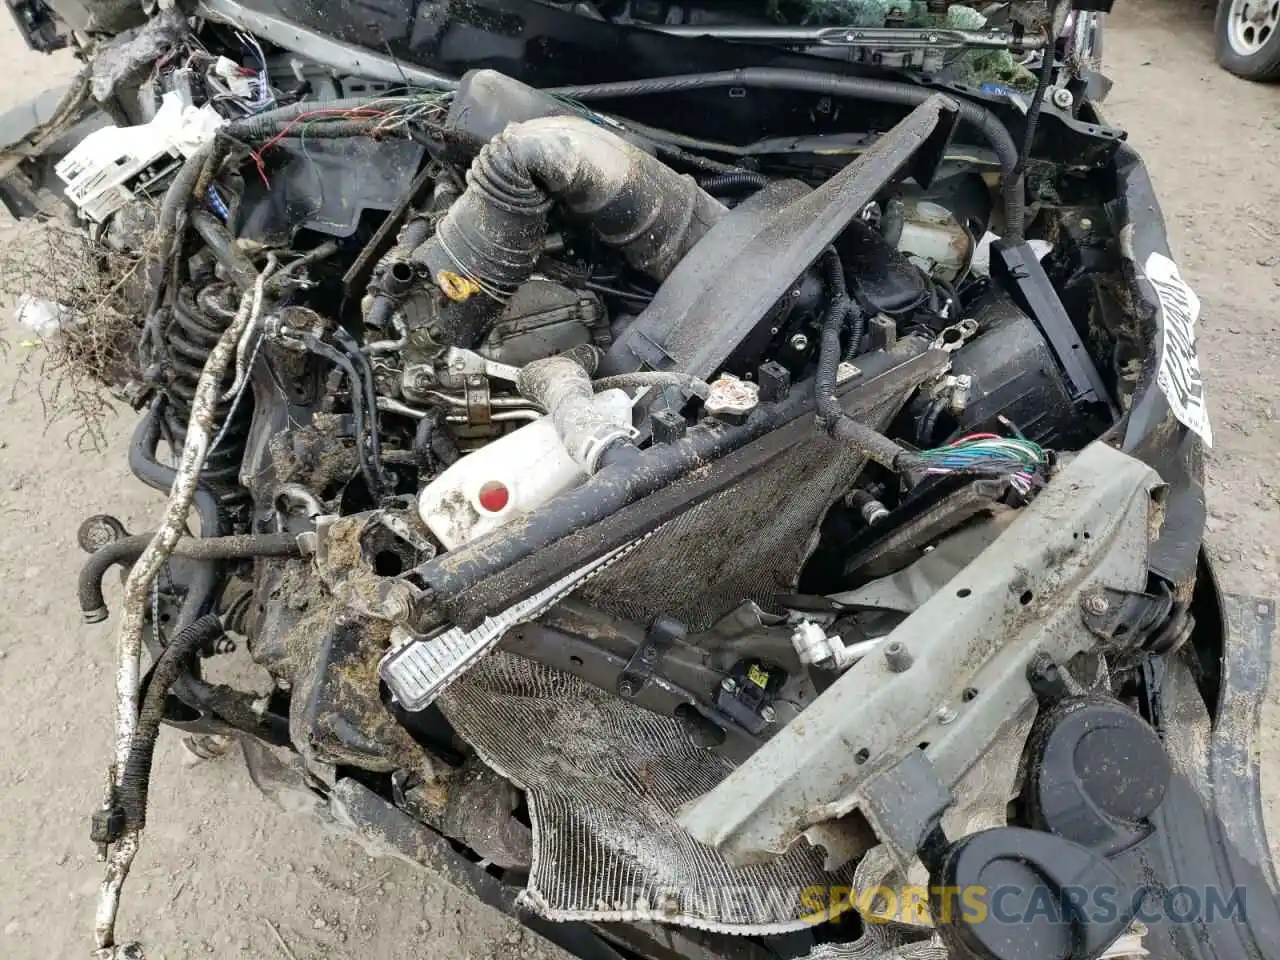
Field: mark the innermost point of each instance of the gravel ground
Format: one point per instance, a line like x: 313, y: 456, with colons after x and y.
x: 220, y: 864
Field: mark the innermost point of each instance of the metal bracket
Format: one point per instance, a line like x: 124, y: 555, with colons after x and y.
x: 660, y: 636
x: 1155, y: 622
x: 479, y: 410
x: 905, y: 804
x: 967, y: 684
x: 1124, y: 617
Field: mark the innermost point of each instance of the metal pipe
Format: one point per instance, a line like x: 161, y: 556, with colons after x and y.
x: 502, y: 416
x: 895, y: 38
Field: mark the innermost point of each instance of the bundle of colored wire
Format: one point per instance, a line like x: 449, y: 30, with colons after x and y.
x: 1024, y: 462
x: 379, y: 116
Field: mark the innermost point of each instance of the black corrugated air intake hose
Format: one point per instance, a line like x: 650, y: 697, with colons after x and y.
x: 984, y: 121
x: 493, y: 234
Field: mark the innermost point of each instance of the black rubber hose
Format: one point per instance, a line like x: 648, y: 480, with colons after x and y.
x: 145, y: 466
x: 432, y: 446
x: 929, y: 422
x: 93, y: 605
x: 828, y: 412
x: 369, y: 468
x: 980, y: 118
x: 351, y: 348
x: 220, y: 243
x: 143, y: 463
x: 136, y: 779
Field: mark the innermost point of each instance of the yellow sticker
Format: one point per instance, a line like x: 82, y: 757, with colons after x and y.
x: 757, y: 676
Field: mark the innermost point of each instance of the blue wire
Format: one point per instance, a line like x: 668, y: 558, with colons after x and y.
x: 216, y: 202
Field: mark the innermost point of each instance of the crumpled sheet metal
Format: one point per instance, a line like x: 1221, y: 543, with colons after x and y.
x: 604, y: 779
x: 114, y: 64
x: 882, y: 941
x: 1020, y: 598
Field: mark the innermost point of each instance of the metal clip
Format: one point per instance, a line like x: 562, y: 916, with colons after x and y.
x: 954, y: 337
x: 661, y: 635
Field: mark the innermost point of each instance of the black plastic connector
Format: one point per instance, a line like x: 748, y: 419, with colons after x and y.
x: 774, y: 380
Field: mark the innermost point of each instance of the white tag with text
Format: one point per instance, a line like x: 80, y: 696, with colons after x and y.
x: 1179, y: 377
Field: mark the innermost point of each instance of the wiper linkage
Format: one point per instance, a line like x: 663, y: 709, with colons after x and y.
x: 895, y: 38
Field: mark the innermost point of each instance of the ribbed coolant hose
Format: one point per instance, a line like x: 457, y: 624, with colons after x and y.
x: 980, y: 118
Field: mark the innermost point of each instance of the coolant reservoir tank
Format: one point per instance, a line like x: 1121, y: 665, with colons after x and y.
x: 506, y: 479
x: 935, y: 240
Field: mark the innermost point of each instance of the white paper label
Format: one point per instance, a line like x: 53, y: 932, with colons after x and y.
x: 1179, y: 377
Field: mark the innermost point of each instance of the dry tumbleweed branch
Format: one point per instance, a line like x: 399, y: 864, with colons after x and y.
x: 100, y: 295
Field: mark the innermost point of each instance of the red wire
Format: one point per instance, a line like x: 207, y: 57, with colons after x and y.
x: 975, y: 436
x: 349, y: 114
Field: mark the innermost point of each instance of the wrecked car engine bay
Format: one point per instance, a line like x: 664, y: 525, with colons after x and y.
x: 659, y: 461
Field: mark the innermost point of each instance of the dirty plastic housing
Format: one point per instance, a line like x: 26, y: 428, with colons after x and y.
x: 934, y: 240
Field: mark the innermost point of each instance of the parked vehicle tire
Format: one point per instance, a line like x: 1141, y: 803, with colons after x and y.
x: 1247, y: 38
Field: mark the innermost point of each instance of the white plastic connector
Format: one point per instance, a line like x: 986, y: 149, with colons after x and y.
x: 226, y: 68
x: 109, y: 167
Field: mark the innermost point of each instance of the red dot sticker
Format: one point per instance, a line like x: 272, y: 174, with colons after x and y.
x: 494, y: 496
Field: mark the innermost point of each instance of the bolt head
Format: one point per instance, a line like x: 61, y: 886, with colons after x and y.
x: 729, y: 685
x: 897, y: 656
x: 799, y: 342
x: 626, y: 688
x: 1097, y: 604
x: 767, y: 714
x: 945, y: 715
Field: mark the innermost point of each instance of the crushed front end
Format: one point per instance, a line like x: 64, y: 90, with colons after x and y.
x: 672, y: 474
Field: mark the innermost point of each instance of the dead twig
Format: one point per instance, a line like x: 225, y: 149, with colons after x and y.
x: 284, y: 947
x: 1261, y: 233
x: 372, y: 883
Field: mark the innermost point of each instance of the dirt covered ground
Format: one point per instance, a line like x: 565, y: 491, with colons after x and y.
x: 220, y: 864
